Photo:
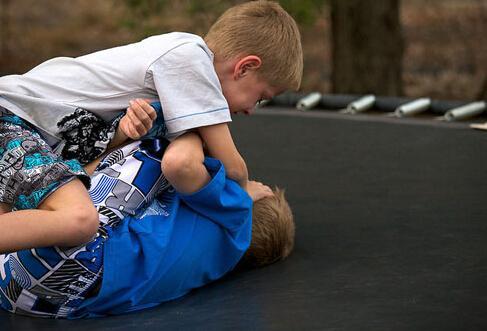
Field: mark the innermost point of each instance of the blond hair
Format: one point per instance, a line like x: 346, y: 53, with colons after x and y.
x: 272, y: 231
x: 265, y: 29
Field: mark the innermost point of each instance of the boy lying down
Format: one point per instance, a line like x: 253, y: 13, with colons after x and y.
x: 154, y: 243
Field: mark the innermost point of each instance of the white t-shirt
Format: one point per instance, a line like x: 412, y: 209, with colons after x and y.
x: 176, y: 68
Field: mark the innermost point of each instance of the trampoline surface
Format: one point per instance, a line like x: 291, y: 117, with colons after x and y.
x: 391, y: 234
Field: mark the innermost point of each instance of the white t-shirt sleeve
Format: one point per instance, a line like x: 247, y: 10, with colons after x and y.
x: 189, y: 89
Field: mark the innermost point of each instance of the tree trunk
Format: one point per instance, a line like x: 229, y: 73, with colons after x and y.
x: 482, y: 95
x: 4, y: 35
x: 367, y: 47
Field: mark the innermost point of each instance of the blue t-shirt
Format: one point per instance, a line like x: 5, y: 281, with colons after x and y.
x: 180, y: 242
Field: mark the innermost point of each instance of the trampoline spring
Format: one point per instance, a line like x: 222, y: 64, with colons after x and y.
x: 309, y: 101
x: 465, y: 111
x: 363, y: 104
x: 412, y: 108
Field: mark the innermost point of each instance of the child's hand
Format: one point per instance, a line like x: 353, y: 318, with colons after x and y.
x: 138, y: 119
x: 258, y: 191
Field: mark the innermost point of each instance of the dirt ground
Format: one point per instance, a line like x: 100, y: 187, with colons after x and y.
x: 445, y: 55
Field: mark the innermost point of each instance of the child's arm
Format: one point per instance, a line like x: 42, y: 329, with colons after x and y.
x: 182, y: 164
x: 220, y: 145
x: 66, y: 217
x: 217, y: 138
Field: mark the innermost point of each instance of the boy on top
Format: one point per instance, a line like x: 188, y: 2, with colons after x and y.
x: 252, y: 52
x: 147, y: 254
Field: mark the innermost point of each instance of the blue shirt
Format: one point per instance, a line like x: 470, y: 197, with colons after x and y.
x: 180, y: 242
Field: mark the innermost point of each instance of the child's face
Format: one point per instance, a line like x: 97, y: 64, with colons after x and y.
x: 244, y: 91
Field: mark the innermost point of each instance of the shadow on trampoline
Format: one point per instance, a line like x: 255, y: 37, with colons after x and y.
x: 391, y: 233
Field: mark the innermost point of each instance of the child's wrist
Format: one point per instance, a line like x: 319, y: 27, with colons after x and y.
x: 119, y: 138
x: 244, y: 184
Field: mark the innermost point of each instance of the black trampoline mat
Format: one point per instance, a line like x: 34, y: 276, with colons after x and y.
x: 391, y: 233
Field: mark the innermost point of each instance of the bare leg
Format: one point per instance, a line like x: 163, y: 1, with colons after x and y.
x: 182, y: 164
x: 66, y: 218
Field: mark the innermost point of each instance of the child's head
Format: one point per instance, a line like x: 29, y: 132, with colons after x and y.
x: 272, y: 231
x: 258, y: 37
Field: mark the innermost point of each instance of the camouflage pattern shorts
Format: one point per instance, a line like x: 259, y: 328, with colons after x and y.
x: 29, y: 169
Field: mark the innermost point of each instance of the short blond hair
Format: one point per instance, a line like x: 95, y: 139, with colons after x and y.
x: 272, y: 231
x: 265, y: 29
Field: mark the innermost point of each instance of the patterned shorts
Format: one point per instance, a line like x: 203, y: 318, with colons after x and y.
x: 51, y: 281
x: 29, y: 169
x: 54, y: 281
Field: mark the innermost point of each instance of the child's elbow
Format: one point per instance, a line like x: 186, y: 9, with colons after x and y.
x: 83, y: 225
x: 178, y: 166
x: 237, y: 172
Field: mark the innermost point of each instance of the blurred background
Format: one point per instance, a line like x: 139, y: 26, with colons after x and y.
x: 414, y: 48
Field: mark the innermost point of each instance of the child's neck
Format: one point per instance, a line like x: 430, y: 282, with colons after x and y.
x: 224, y: 69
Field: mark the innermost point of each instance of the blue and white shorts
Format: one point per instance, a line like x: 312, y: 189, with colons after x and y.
x: 52, y: 281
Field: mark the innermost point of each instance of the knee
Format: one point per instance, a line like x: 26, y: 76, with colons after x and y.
x: 84, y: 223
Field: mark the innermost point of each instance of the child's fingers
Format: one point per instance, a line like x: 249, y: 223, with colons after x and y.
x: 128, y: 129
x: 146, y: 108
x: 149, y: 110
x: 258, y: 190
x: 140, y: 127
x: 133, y: 131
x: 142, y: 115
x: 134, y: 120
x: 267, y: 190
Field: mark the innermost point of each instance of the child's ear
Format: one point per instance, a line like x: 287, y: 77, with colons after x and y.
x: 245, y: 65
